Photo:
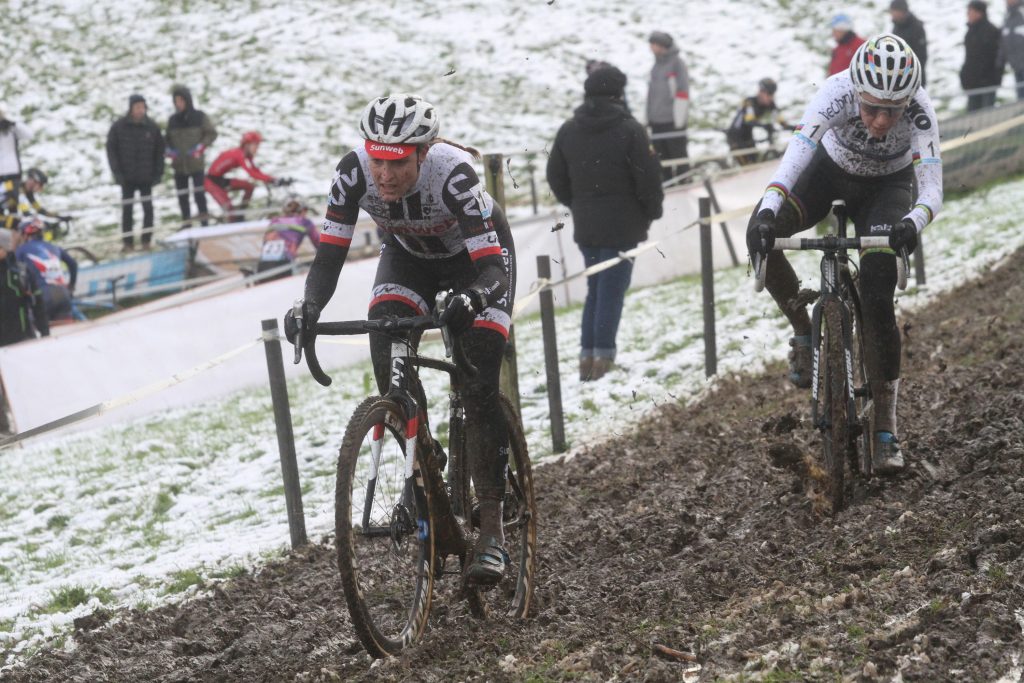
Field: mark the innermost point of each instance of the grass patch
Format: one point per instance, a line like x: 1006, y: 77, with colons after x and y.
x: 41, y: 508
x: 54, y: 560
x: 66, y: 598
x: 57, y: 522
x: 183, y: 580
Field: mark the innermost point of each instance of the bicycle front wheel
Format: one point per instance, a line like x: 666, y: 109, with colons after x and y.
x: 835, y: 424
x: 384, y: 528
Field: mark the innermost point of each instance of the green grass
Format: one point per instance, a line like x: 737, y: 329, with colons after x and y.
x: 57, y: 522
x: 181, y: 581
x: 65, y: 599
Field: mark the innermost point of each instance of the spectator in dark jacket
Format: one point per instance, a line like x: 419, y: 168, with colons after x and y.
x: 1011, y: 47
x: 911, y: 29
x: 601, y: 166
x: 12, y: 135
x: 847, y: 43
x: 135, y: 150
x: 189, y: 134
x: 981, y: 67
x: 21, y: 302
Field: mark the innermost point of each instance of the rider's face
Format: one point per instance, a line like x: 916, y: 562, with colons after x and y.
x: 879, y: 116
x: 394, y: 178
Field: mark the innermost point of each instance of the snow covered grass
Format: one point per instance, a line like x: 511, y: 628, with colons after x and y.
x: 504, y: 75
x: 157, y: 508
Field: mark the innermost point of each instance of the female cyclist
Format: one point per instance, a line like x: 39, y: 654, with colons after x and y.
x: 866, y: 137
x: 441, y: 231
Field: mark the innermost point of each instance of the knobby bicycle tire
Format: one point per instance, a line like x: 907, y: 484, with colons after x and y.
x: 512, y: 597
x: 384, y: 531
x: 521, y: 523
x: 860, y: 433
x: 835, y: 426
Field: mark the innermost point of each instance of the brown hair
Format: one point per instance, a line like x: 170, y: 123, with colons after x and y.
x: 474, y: 152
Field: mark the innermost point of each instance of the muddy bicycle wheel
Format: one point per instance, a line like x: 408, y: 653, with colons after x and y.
x: 860, y: 429
x: 835, y: 425
x: 385, y: 538
x: 513, y: 595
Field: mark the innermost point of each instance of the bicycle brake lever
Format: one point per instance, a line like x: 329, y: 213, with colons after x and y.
x: 440, y: 304
x: 297, y: 314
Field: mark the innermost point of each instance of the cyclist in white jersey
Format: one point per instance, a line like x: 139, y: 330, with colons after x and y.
x: 868, y: 137
x: 441, y: 231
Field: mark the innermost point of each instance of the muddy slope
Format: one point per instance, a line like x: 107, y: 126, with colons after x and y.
x: 697, y: 533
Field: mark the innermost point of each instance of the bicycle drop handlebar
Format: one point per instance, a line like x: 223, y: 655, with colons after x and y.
x: 390, y: 325
x: 832, y: 243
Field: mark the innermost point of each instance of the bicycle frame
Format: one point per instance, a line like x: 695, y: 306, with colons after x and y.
x: 834, y: 263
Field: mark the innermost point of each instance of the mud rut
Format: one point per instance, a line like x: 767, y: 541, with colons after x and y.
x: 695, y: 533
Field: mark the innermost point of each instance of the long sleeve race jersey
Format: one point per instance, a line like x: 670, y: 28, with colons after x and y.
x: 282, y: 240
x: 445, y: 212
x: 236, y: 158
x: 832, y: 119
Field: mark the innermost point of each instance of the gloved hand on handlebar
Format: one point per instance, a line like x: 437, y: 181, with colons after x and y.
x: 282, y: 182
x: 310, y: 314
x: 904, y: 236
x: 462, y: 309
x: 761, y: 233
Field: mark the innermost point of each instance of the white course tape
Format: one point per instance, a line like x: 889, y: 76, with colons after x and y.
x: 129, y: 398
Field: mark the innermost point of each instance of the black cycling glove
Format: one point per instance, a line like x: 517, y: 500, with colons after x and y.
x: 462, y: 310
x: 310, y: 314
x: 761, y: 233
x: 904, y: 236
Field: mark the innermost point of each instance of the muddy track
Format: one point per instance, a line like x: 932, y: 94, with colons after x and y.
x: 696, y: 533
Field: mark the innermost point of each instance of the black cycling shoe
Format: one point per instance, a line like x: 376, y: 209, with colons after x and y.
x: 489, y: 560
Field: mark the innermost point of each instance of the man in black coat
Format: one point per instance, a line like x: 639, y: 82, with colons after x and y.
x: 603, y: 168
x: 911, y: 29
x: 135, y: 150
x: 981, y: 67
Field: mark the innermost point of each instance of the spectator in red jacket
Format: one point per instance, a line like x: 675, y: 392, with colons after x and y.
x: 847, y: 43
x: 218, y: 186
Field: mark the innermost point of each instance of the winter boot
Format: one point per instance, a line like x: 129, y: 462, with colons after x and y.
x: 601, y: 367
x: 586, y: 367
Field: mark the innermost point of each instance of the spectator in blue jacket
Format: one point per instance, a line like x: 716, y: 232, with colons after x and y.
x: 55, y: 267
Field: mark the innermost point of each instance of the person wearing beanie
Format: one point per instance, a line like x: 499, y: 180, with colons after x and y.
x: 189, y: 133
x: 911, y: 29
x: 135, y: 151
x: 759, y: 111
x: 982, y: 69
x: 668, y: 102
x: 601, y: 166
x: 1011, y: 45
x: 847, y: 43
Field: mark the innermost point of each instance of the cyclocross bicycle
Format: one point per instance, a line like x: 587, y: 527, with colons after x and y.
x: 841, y: 402
x: 398, y: 519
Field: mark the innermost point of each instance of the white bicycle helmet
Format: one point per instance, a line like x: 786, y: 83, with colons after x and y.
x: 401, y: 119
x: 886, y: 68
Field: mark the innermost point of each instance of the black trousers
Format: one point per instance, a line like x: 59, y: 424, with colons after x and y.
x: 181, y: 183
x: 670, y: 148
x: 128, y: 191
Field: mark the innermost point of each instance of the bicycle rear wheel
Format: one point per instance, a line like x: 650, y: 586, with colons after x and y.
x: 384, y: 528
x: 513, y: 595
x: 834, y: 424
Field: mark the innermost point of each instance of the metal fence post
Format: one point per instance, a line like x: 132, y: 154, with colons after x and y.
x: 547, y: 320
x: 707, y: 276
x: 285, y: 437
